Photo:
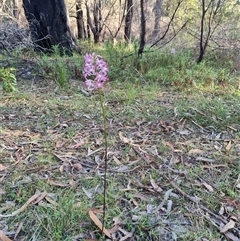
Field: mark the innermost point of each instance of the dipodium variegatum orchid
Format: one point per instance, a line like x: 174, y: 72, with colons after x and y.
x: 95, y: 71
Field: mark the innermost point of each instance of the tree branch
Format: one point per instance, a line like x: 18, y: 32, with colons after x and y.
x: 171, y: 20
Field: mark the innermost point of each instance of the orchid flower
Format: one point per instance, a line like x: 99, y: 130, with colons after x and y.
x: 95, y: 71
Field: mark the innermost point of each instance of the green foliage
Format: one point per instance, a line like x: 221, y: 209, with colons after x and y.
x: 172, y: 66
x: 219, y: 115
x: 219, y: 23
x: 60, y: 73
x: 8, y: 78
x: 60, y: 223
x: 178, y: 70
x: 55, y: 67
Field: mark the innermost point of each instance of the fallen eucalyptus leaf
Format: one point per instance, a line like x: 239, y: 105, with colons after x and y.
x: 88, y: 193
x: 229, y: 145
x: 204, y: 159
x: 155, y: 186
x: 124, y: 139
x: 2, y: 168
x: 149, y: 208
x: 21, y: 209
x: 195, y: 151
x: 169, y: 206
x: 222, y: 210
x: 229, y: 225
x: 208, y: 187
x: 3, y: 237
x: 98, y: 223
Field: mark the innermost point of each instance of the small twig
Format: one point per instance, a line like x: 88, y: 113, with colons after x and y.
x: 140, y: 154
x: 195, y: 123
x: 92, y: 152
x: 193, y: 199
x: 85, y: 92
x: 176, y: 171
x: 165, y: 199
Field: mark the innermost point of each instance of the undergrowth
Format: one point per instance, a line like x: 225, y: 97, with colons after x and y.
x: 170, y: 120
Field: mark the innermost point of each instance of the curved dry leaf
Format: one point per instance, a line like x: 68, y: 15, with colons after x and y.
x: 154, y: 185
x: 222, y: 210
x: 205, y: 159
x: 18, y: 230
x: 78, y: 166
x: 2, y: 191
x: 208, y: 187
x: 135, y: 202
x: 51, y: 201
x: 21, y: 209
x: 126, y: 233
x: 3, y: 237
x: 195, y: 151
x: 229, y: 145
x: 184, y: 132
x: 214, y: 166
x: 229, y: 225
x: 117, y: 161
x: 98, y: 223
x: 78, y: 144
x: 88, y: 193
x: 57, y: 184
x: 166, y: 143
x: 90, y: 152
x: 61, y: 168
x: 117, y: 221
x: 122, y: 169
x: 114, y: 229
x: 2, y: 168
x: 140, y: 196
x: 231, y: 236
x: 40, y: 198
x: 169, y: 206
x: 124, y: 139
x: 165, y: 199
x: 149, y: 208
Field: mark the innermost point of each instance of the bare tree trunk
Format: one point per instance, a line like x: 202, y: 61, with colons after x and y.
x: 80, y: 21
x: 2, y: 4
x: 157, y: 17
x: 88, y: 32
x: 96, y: 27
x: 207, y: 28
x: 201, y: 42
x: 121, y: 19
x: 142, y: 29
x: 16, y: 9
x: 18, y: 13
x: 128, y: 21
x: 169, y: 24
x: 49, y: 25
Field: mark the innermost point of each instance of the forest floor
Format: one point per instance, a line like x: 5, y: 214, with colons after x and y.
x: 173, y: 163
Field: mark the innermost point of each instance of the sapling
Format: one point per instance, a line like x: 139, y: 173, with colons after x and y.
x: 9, y: 79
x: 95, y: 73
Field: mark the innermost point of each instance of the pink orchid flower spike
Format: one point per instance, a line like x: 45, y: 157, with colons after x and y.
x: 95, y: 71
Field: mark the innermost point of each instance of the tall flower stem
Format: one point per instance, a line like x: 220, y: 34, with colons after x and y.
x: 95, y: 72
x: 105, y: 156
